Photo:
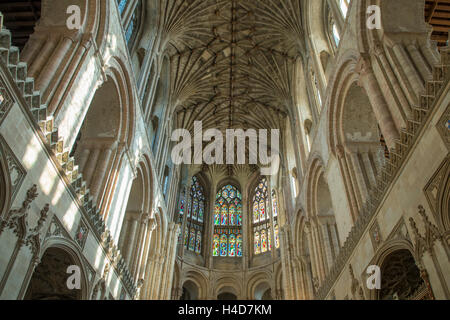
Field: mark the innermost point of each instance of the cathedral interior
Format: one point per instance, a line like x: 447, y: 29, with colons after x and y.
x: 95, y: 204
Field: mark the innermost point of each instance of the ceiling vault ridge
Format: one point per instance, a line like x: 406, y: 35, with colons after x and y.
x: 231, y: 62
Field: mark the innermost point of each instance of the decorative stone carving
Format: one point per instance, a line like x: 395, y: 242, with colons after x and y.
x: 443, y: 127
x: 16, y: 171
x: 5, y: 101
x: 33, y: 239
x: 55, y: 229
x: 424, y: 242
x: 82, y: 233
x: 435, y: 192
x: 16, y: 219
x: 375, y: 235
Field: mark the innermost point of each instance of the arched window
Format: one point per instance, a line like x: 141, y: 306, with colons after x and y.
x: 193, y: 231
x: 133, y: 26
x: 333, y: 29
x: 343, y: 5
x: 276, y: 229
x: 336, y: 36
x: 227, y: 239
x: 122, y: 4
x: 262, y: 222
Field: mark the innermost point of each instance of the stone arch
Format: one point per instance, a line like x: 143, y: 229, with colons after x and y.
x: 199, y: 280
x: 5, y: 184
x: 317, y: 30
x: 100, y: 144
x: 324, y: 235
x: 190, y: 291
x: 359, y: 149
x: 396, y: 258
x: 135, y: 235
x: 444, y: 201
x: 362, y: 142
x: 228, y: 285
x: 304, y: 253
x: 57, y: 255
x: 279, y: 293
x: 258, y: 284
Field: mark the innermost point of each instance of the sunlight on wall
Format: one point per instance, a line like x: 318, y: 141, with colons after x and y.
x: 31, y: 153
x: 85, y: 87
x: 70, y: 216
x: 115, y: 218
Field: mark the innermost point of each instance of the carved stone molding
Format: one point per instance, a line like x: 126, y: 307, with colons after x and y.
x: 15, y: 169
x: 5, y: 101
x: 425, y: 242
x: 33, y: 239
x: 436, y: 192
x: 443, y: 127
x: 55, y: 229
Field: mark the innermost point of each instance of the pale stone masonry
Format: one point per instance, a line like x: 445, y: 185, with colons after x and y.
x: 87, y: 178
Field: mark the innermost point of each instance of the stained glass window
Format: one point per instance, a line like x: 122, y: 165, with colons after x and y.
x: 227, y: 241
x: 217, y: 215
x: 264, y: 246
x: 262, y: 222
x: 257, y: 243
x: 122, y: 4
x: 276, y: 231
x: 224, y: 215
x: 198, y: 242
x: 232, y: 246
x: 239, y: 245
x: 239, y: 215
x: 193, y: 207
x: 216, y: 244
x: 192, y: 240
x: 223, y: 245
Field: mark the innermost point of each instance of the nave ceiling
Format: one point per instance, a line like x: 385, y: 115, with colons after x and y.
x: 231, y: 61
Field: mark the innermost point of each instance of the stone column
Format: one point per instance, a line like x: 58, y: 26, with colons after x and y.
x: 379, y: 105
x: 368, y: 166
x: 358, y: 171
x: 328, y: 245
x: 410, y: 72
x: 43, y: 56
x: 54, y: 62
x: 91, y: 164
x: 350, y: 192
x: 419, y: 62
x: 313, y: 253
x: 103, y: 164
x: 83, y: 158
x: 396, y: 90
x: 133, y: 221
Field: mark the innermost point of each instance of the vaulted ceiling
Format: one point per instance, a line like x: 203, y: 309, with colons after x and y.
x: 231, y: 61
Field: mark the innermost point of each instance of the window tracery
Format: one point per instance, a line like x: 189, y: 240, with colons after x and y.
x: 227, y: 239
